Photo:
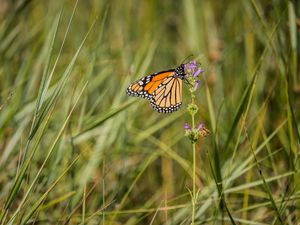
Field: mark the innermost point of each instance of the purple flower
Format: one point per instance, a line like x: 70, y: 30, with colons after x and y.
x: 187, y: 127
x: 201, y: 126
x: 193, y: 69
x: 192, y: 65
x: 199, y: 70
x: 196, y: 86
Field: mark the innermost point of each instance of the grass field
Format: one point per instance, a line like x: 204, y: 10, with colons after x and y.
x: 75, y: 149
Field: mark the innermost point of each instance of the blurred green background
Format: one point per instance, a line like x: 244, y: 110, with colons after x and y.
x: 75, y: 149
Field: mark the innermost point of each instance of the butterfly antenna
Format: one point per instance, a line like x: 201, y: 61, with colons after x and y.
x: 186, y: 58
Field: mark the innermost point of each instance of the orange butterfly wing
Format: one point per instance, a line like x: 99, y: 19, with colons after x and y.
x: 163, y: 89
x: 168, y: 96
x: 146, y: 86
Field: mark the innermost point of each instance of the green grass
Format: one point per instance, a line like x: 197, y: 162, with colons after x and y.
x: 75, y: 149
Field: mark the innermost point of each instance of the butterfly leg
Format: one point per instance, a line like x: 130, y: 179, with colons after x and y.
x: 187, y: 82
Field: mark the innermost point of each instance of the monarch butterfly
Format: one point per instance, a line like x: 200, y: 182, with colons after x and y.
x: 162, y: 89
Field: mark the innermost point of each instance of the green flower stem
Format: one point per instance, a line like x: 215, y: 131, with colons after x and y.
x: 194, y: 183
x: 194, y: 163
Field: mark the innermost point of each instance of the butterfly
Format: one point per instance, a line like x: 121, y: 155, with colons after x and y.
x: 162, y: 89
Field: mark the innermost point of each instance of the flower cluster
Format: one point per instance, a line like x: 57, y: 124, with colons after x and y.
x: 194, y: 133
x: 193, y: 73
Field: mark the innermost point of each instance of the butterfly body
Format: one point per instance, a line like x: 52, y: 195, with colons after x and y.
x: 162, y: 89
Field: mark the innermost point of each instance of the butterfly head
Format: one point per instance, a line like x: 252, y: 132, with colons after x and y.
x: 180, y: 72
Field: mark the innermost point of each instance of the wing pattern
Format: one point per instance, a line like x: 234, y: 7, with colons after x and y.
x: 163, y: 89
